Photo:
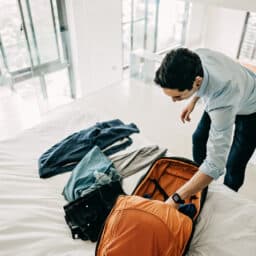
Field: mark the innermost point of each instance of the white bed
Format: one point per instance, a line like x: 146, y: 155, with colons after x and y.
x: 31, y: 209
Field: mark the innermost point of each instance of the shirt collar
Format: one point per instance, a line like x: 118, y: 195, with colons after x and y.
x: 204, y: 84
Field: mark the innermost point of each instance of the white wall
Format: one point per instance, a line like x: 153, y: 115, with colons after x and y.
x: 224, y: 29
x: 246, y: 5
x: 216, y: 28
x: 96, y: 42
x: 195, y: 28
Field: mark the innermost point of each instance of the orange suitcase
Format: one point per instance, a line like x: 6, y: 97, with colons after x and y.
x: 142, y: 224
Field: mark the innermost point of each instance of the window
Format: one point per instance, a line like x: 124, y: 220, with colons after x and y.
x: 153, y: 25
x: 34, y: 47
x: 247, y: 49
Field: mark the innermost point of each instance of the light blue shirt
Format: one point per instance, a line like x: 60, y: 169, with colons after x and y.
x: 228, y: 89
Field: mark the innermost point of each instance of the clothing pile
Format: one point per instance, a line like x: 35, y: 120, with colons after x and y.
x: 97, y: 171
x: 65, y: 155
x: 99, y: 210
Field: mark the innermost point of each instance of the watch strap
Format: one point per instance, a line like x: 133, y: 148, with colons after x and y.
x: 177, y: 199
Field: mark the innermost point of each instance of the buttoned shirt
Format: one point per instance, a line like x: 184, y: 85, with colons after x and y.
x: 228, y: 89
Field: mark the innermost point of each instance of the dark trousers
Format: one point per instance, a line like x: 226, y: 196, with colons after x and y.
x: 242, y: 148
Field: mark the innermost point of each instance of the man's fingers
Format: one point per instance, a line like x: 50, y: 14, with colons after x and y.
x: 183, y: 116
x: 187, y: 118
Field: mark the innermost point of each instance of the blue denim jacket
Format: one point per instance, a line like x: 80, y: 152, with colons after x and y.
x: 66, y: 154
x: 92, y: 172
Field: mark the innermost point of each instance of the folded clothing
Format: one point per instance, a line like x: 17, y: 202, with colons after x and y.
x: 65, y: 155
x: 135, y: 161
x: 92, y: 172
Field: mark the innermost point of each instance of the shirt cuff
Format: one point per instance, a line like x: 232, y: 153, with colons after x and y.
x: 211, y: 170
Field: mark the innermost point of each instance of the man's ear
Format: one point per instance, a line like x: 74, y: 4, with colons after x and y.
x: 198, y: 80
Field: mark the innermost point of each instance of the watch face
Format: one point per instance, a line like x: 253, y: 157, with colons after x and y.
x: 176, y: 198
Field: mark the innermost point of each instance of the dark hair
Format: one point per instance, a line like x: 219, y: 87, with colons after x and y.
x: 179, y: 69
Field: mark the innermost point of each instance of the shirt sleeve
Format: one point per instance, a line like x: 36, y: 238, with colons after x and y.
x: 218, y: 145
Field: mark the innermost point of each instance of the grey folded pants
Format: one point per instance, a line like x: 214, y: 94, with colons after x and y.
x: 133, y: 162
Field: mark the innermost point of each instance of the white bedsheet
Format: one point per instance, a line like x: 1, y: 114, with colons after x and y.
x: 31, y: 209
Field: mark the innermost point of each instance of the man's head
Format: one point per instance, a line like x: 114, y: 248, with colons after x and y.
x: 180, y: 74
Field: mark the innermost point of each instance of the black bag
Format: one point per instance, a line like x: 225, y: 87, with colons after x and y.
x: 86, y: 215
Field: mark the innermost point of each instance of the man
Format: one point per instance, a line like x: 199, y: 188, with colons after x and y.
x: 228, y: 91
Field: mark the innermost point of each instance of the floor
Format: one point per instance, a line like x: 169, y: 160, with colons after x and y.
x: 132, y: 101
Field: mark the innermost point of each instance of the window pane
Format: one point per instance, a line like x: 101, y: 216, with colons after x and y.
x: 126, y: 11
x: 248, y: 47
x: 139, y: 9
x: 13, y: 36
x: 44, y: 30
x: 138, y: 35
x: 126, y: 44
x: 151, y: 25
x: 172, y: 18
x: 164, y: 21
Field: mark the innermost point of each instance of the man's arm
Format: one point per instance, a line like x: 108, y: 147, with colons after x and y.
x: 249, y: 66
x: 198, y: 182
x: 195, y: 99
x: 222, y: 121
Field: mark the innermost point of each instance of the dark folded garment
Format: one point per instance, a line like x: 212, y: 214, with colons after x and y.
x: 66, y: 154
x: 188, y: 209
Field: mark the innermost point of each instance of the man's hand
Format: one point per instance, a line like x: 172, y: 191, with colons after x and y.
x: 185, y: 114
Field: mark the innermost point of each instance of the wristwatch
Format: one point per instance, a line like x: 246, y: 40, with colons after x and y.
x: 177, y: 199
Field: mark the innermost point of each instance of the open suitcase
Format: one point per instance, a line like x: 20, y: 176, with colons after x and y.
x: 164, y: 177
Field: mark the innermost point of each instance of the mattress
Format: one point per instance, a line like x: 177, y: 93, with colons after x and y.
x: 31, y: 209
